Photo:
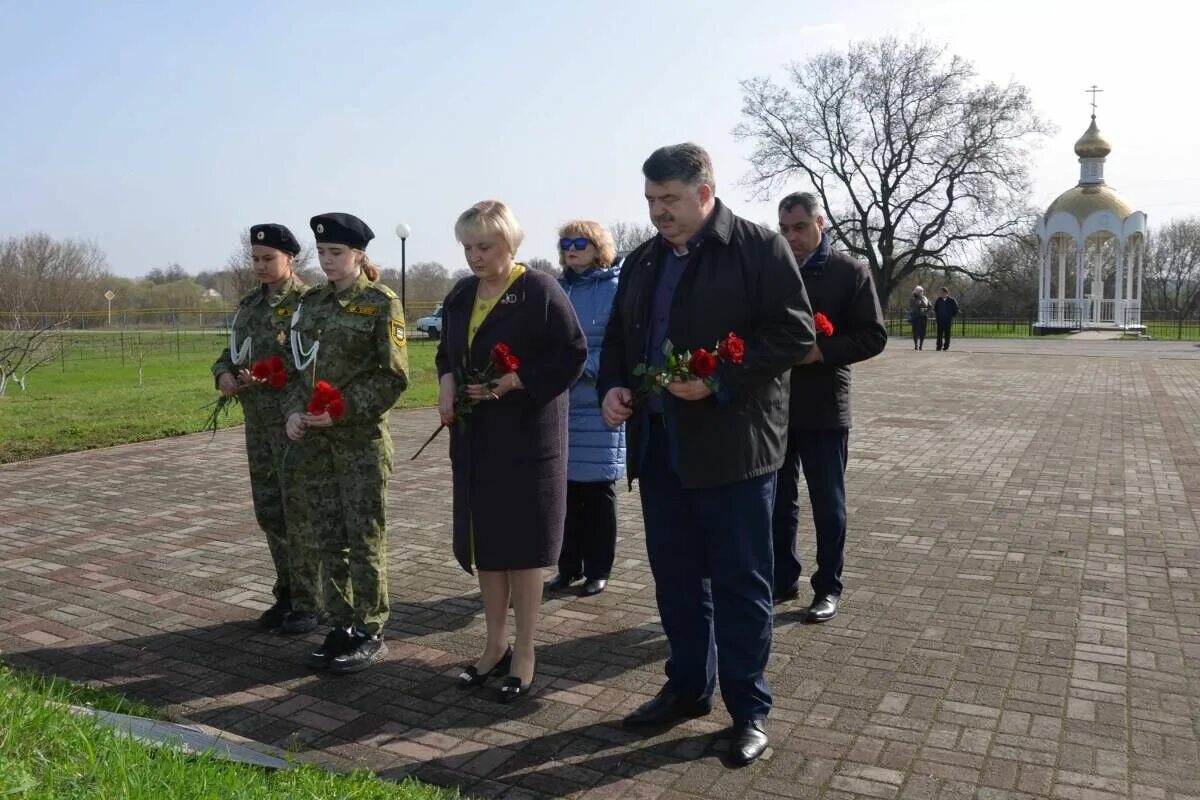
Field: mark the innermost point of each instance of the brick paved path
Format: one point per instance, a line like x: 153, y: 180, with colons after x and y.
x: 1022, y: 616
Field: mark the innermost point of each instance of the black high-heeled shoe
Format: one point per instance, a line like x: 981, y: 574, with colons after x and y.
x: 471, y: 677
x: 512, y: 689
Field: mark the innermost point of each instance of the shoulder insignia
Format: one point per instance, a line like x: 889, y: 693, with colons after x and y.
x: 397, y: 329
x: 385, y: 290
x: 283, y: 311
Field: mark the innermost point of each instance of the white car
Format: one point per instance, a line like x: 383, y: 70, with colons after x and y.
x: 431, y: 326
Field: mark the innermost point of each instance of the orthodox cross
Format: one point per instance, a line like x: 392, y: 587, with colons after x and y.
x: 1093, y: 92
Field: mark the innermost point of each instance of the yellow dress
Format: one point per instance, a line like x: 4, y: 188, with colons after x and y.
x: 479, y: 311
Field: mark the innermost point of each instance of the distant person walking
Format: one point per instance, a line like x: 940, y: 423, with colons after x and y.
x: 945, y: 309
x: 918, y: 316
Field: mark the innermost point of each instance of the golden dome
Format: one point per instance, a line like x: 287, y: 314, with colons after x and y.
x: 1084, y: 200
x: 1092, y: 144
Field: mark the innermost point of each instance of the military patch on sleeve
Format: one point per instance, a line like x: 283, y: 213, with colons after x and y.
x: 397, y: 328
x: 369, y: 311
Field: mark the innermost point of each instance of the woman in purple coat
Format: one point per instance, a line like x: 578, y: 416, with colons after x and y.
x: 509, y: 457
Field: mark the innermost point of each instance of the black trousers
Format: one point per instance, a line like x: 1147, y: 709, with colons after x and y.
x: 943, y: 333
x: 590, y: 533
x: 918, y: 329
x: 820, y: 456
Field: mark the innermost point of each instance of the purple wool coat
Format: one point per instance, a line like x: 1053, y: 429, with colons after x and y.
x: 510, y: 464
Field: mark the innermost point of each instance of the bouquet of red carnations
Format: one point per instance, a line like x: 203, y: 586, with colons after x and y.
x: 264, y: 373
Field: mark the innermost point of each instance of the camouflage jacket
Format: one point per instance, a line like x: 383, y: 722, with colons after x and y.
x: 361, y: 350
x: 264, y: 317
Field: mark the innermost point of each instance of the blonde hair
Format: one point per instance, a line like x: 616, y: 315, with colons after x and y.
x: 369, y: 268
x: 594, y: 232
x: 490, y: 217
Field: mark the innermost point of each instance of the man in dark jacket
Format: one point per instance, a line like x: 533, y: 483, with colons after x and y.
x: 706, y: 461
x: 945, y: 309
x: 842, y: 289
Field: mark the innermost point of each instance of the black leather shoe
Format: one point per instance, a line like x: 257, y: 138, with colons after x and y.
x: 337, y: 642
x: 749, y: 742
x: 273, y: 617
x: 513, y: 690
x: 787, y: 595
x: 296, y: 621
x: 471, y: 677
x: 364, y: 651
x: 823, y: 609
x: 666, y: 708
x: 592, y: 587
x: 560, y: 582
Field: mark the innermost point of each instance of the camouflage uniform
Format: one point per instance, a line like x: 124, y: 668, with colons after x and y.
x: 264, y: 317
x: 342, y: 471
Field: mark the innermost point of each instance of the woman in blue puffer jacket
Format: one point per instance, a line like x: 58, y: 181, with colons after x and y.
x: 596, y: 452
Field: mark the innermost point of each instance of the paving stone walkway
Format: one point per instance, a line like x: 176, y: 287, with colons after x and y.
x: 1022, y: 616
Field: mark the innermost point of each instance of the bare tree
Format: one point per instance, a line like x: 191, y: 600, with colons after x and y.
x: 1172, y: 281
x: 240, y: 265
x: 459, y: 274
x: 915, y: 160
x: 543, y: 265
x: 44, y: 275
x: 628, y: 235
x: 173, y: 272
x: 22, y: 350
x: 428, y: 281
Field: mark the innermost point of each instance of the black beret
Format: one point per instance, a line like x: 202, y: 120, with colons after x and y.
x: 338, y: 228
x: 272, y: 234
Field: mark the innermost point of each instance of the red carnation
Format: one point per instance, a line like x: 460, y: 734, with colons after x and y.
x: 277, y: 380
x: 316, y: 407
x: 324, y: 392
x: 702, y: 364
x: 336, y: 408
x: 732, y: 349
x: 275, y: 365
x: 823, y: 325
x: 503, y: 359
x: 260, y: 370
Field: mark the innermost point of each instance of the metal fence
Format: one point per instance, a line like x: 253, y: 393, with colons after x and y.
x: 1156, y: 325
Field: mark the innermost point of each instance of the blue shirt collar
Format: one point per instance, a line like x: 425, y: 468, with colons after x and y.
x: 819, y: 256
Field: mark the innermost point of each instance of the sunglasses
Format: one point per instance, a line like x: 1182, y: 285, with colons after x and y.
x: 566, y: 245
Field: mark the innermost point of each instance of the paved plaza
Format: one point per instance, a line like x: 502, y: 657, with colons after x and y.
x: 1021, y: 618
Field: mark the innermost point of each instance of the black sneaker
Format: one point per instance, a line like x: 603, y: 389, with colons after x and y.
x: 273, y: 617
x: 337, y: 642
x: 363, y: 651
x: 297, y: 621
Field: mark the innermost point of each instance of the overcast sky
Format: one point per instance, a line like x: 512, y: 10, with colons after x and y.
x: 160, y: 130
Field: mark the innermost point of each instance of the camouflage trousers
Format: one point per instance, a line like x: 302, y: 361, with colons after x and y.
x: 344, y: 484
x: 289, y: 534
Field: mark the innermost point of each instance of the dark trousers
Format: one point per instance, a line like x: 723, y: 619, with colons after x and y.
x: 919, y: 324
x: 822, y: 457
x: 943, y: 333
x: 590, y: 533
x: 710, y: 552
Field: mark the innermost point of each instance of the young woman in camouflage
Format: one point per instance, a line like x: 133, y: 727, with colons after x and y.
x: 260, y: 331
x: 350, y: 334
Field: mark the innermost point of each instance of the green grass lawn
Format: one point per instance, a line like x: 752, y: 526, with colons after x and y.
x: 89, y: 396
x: 47, y: 753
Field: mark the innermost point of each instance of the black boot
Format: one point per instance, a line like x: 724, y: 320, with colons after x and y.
x: 273, y: 617
x: 297, y: 621
x: 337, y: 642
x: 364, y: 651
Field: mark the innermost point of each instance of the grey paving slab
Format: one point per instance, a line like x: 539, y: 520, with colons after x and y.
x: 1021, y: 618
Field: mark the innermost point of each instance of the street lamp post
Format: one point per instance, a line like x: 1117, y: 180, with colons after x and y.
x: 403, y: 231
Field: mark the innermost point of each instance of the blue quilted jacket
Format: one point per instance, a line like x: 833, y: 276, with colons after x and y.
x: 595, y: 452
